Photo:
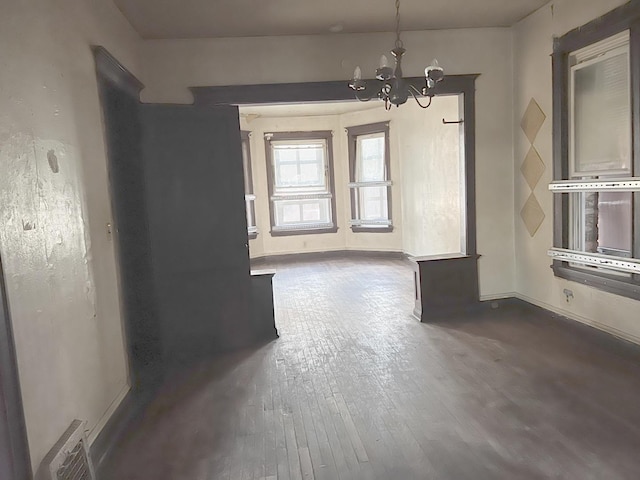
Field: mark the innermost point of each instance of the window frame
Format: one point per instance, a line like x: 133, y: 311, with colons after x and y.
x: 327, y: 137
x: 249, y: 192
x: 626, y: 17
x: 352, y: 137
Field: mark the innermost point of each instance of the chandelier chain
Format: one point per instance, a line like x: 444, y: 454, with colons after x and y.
x: 398, y: 41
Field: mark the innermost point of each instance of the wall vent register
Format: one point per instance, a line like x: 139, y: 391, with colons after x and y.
x: 69, y: 458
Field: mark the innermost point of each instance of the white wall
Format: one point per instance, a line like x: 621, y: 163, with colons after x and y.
x: 170, y: 66
x: 431, y: 179
x: 533, y: 44
x: 58, y: 259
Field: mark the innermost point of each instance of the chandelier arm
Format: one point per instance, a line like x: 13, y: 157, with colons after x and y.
x: 363, y: 99
x: 411, y: 91
x: 414, y: 89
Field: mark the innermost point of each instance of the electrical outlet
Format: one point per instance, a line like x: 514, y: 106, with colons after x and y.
x: 568, y: 294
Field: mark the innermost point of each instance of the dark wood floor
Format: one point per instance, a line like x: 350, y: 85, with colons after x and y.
x: 355, y: 388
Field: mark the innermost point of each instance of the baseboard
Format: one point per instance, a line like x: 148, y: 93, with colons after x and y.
x: 294, y: 252
x: 497, y: 296
x: 579, y: 318
x: 325, y: 255
x: 564, y: 313
x: 108, y: 414
x: 115, y: 427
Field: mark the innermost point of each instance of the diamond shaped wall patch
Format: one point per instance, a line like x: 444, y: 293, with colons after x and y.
x: 532, y: 120
x: 532, y: 168
x: 532, y: 215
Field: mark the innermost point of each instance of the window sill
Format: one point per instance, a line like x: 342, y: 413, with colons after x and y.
x: 303, y: 231
x: 361, y: 229
x: 625, y: 287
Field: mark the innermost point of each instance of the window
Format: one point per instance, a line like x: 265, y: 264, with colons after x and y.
x: 369, y: 178
x: 596, y: 195
x: 301, y: 182
x: 249, y: 196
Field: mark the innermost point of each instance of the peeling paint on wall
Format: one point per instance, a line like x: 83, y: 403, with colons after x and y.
x: 53, y: 161
x: 26, y: 226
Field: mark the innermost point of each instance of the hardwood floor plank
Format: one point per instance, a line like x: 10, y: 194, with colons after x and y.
x: 359, y: 449
x: 356, y: 389
x: 305, y: 463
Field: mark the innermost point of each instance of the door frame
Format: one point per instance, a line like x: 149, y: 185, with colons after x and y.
x: 335, y: 91
x: 18, y: 462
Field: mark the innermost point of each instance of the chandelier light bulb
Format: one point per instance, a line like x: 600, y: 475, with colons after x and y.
x: 384, y: 61
x: 357, y: 73
x: 434, y: 66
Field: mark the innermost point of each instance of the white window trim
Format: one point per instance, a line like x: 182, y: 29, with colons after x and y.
x: 629, y: 184
x: 617, y: 264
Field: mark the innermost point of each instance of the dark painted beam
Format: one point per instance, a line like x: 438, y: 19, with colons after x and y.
x: 109, y: 69
x: 306, y: 92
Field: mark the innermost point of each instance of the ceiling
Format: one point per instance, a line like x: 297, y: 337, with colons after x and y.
x: 154, y: 19
x: 306, y: 109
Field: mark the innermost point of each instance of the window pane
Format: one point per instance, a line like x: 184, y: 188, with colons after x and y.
x: 290, y: 213
x: 285, y: 155
x: 602, y: 222
x: 311, y: 174
x: 311, y: 212
x: 370, y: 152
x: 287, y: 175
x: 300, y: 212
x: 246, y: 165
x: 250, y: 210
x: 373, y: 203
x: 614, y: 223
x: 299, y: 166
x: 602, y: 114
x: 310, y: 153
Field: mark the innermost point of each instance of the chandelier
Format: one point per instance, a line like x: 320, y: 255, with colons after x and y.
x: 395, y: 90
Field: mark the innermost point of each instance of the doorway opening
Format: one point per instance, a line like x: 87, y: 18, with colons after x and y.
x: 284, y: 97
x: 462, y: 87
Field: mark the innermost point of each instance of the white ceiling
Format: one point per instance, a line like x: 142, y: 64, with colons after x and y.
x: 306, y: 109
x: 240, y: 18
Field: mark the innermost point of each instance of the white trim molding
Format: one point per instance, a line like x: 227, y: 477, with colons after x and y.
x: 618, y: 264
x: 628, y: 184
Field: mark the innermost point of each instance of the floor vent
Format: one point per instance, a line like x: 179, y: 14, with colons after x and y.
x: 69, y: 458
